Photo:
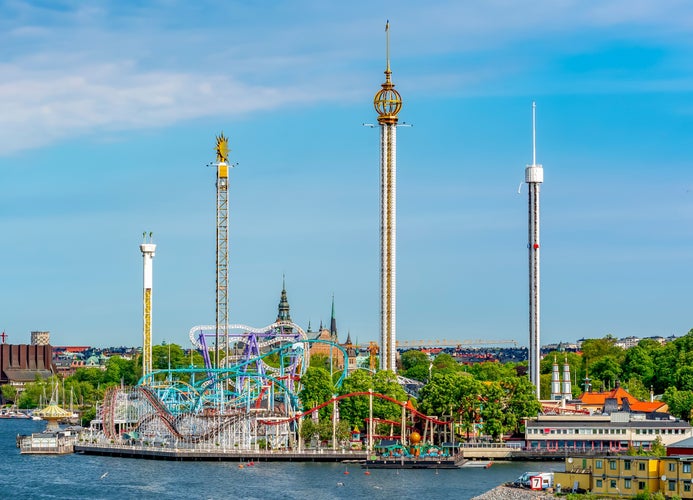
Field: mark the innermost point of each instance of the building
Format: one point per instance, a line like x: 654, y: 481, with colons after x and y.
x: 40, y: 338
x: 615, y: 432
x: 619, y: 399
x: 623, y: 476
x: 22, y: 363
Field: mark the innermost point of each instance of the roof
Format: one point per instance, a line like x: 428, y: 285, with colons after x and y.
x: 25, y: 375
x: 684, y: 443
x: 599, y: 398
x: 53, y: 411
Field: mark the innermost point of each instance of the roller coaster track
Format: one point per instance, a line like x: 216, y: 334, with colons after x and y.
x: 353, y: 394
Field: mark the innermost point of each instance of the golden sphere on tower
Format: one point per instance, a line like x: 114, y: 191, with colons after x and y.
x: 414, y: 437
x: 387, y: 103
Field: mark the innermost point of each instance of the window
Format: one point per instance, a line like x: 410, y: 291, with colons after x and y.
x: 626, y: 484
x: 672, y: 485
x: 686, y: 467
x: 612, y: 484
x: 599, y: 483
x: 641, y: 485
x: 672, y: 467
x: 626, y: 465
x: 612, y: 464
x: 597, y: 464
x: 641, y: 466
x: 686, y: 486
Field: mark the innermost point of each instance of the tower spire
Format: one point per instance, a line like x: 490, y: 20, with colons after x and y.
x: 388, y: 103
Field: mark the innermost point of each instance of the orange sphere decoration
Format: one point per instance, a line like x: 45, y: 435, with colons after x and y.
x: 414, y: 437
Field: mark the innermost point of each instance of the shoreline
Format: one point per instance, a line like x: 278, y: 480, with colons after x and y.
x: 503, y: 492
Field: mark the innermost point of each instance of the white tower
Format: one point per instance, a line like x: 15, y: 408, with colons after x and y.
x: 555, y: 381
x: 147, y: 250
x: 388, y: 103
x: 534, y: 176
x: 567, y: 385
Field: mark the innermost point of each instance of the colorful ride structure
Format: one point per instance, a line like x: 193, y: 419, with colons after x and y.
x: 251, y: 397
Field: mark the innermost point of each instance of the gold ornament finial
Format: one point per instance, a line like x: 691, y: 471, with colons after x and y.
x: 222, y: 148
x: 387, y: 100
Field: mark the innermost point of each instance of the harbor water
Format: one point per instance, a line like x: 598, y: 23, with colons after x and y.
x: 94, y: 477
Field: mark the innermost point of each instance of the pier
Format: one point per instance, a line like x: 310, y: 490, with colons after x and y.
x: 220, y: 455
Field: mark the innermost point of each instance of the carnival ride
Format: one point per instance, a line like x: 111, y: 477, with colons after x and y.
x: 251, y: 397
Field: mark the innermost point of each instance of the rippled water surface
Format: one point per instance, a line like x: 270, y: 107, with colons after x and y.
x: 80, y: 476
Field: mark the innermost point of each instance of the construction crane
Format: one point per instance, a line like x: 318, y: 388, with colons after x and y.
x: 454, y: 343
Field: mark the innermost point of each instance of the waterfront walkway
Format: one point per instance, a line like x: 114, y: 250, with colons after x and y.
x: 219, y: 455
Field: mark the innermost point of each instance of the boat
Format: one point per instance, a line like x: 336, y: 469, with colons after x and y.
x: 12, y: 413
x: 481, y: 464
x: 392, y: 455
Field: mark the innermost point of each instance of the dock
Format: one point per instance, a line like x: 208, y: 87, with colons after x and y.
x: 219, y: 455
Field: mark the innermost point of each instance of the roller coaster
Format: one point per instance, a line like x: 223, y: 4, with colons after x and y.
x: 252, y: 397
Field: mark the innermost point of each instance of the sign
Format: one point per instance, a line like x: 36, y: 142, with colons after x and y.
x: 535, y: 482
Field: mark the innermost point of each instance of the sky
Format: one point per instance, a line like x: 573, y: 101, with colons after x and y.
x: 108, y: 117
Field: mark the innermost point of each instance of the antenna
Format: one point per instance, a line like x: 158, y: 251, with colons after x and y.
x: 387, y: 43
x: 534, y: 133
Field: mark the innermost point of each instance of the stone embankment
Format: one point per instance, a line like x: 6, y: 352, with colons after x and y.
x: 509, y: 493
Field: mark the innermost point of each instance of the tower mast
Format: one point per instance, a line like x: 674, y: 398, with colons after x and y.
x: 534, y: 177
x: 388, y: 104
x: 147, y: 250
x: 222, y: 298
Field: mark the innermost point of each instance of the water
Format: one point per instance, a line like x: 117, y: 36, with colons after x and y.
x: 80, y: 476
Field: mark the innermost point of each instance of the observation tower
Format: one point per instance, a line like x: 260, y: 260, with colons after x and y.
x: 388, y: 104
x: 147, y: 249
x: 534, y: 177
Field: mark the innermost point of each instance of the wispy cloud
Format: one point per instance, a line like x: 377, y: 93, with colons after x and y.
x: 71, y: 69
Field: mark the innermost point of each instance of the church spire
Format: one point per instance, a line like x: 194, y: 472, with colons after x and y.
x: 333, y: 324
x: 283, y: 314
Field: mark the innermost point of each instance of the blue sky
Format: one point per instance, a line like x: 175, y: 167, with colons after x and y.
x: 109, y: 112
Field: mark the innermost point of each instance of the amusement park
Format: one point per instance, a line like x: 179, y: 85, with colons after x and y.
x: 251, y: 394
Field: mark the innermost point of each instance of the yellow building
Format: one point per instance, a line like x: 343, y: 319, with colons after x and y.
x: 628, y: 476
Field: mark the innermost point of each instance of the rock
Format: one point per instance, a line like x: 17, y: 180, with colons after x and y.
x: 509, y: 493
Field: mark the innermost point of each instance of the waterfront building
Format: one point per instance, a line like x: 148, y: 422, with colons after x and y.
x: 605, y: 433
x: 22, y: 363
x: 626, y: 476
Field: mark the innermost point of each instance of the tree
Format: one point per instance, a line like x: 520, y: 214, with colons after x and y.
x: 492, y: 409
x: 355, y: 409
x: 317, y: 388
x: 606, y: 369
x: 638, y: 364
x: 120, y: 370
x: 680, y: 402
x: 416, y: 365
x: 444, y: 363
x: 522, y: 402
x: 9, y: 392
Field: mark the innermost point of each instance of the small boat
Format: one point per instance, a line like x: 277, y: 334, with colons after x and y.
x: 12, y: 413
x: 481, y: 464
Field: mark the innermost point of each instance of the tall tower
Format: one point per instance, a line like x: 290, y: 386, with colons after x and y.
x: 534, y: 176
x: 388, y: 104
x: 147, y: 250
x: 222, y: 299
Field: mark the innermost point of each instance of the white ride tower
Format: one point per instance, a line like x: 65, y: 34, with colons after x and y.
x: 534, y: 176
x: 147, y: 249
x: 388, y: 104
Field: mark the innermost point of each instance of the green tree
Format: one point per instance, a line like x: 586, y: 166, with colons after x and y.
x: 638, y: 364
x: 416, y: 365
x: 606, y: 369
x: 9, y: 392
x: 120, y: 370
x: 492, y: 371
x: 492, y: 409
x: 356, y: 408
x: 444, y: 363
x: 680, y: 402
x: 317, y: 388
x: 522, y: 402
